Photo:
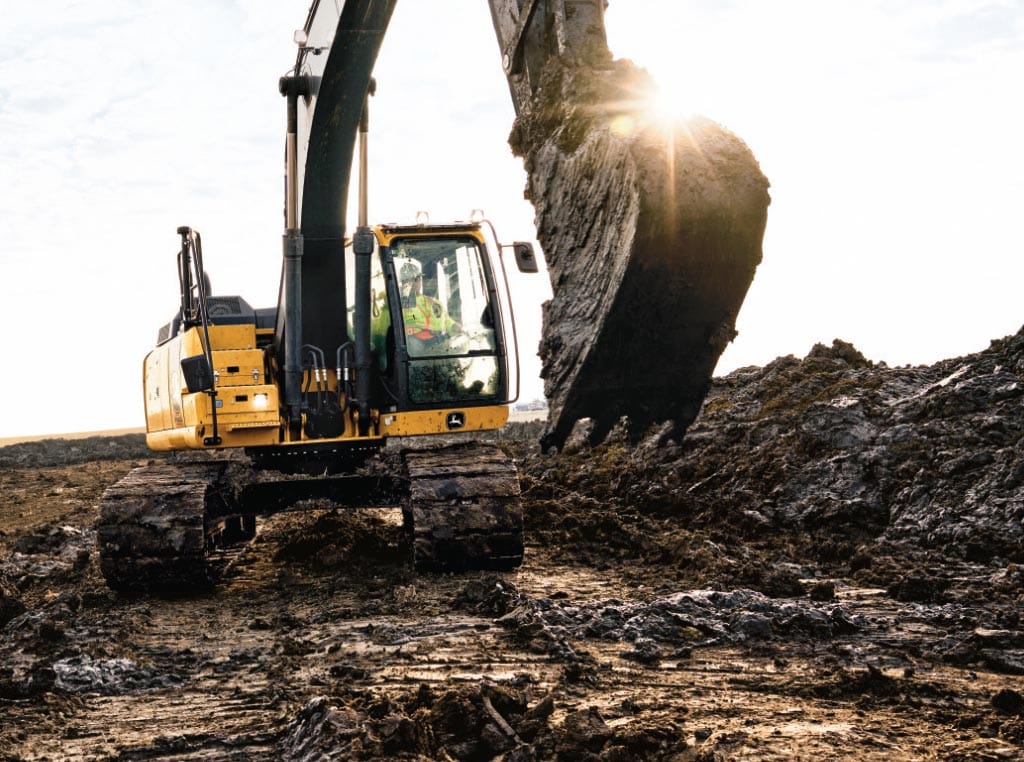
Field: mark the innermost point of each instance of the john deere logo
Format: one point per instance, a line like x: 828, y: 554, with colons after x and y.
x: 456, y: 420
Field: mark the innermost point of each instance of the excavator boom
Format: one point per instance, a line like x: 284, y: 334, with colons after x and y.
x: 328, y: 89
x: 651, y: 234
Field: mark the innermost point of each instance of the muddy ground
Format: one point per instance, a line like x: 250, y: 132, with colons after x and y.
x: 828, y: 565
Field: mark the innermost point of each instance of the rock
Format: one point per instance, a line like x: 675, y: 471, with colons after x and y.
x: 783, y: 583
x: 919, y: 587
x: 584, y: 729
x: 10, y: 601
x: 488, y: 594
x: 753, y: 626
x: 542, y: 709
x: 320, y: 731
x: 1009, y: 701
x: 111, y: 677
x: 822, y: 591
x: 644, y: 651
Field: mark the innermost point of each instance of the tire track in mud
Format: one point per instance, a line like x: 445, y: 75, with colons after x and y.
x: 250, y: 653
x: 223, y: 705
x: 230, y: 671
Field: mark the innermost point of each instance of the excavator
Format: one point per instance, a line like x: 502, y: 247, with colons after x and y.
x: 388, y: 331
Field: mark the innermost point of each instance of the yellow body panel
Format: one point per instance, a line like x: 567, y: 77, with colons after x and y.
x: 386, y: 235
x: 191, y: 438
x: 248, y: 405
x: 238, y: 367
x: 421, y: 422
x: 221, y: 337
x: 247, y: 412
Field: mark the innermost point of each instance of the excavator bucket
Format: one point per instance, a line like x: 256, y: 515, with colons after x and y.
x: 651, y: 232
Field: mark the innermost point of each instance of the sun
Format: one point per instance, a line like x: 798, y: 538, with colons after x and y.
x: 654, y: 107
x: 683, y: 51
x: 667, y: 105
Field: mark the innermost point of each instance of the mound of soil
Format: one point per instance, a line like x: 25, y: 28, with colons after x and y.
x: 830, y: 458
x: 830, y: 560
x: 65, y: 452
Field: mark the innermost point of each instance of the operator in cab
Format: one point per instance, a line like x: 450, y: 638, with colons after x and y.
x: 427, y: 323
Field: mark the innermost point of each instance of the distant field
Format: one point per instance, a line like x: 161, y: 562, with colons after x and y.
x: 4, y: 441
x: 517, y: 416
x: 521, y: 416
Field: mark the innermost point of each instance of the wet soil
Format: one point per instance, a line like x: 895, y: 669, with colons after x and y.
x: 826, y: 566
x: 651, y: 232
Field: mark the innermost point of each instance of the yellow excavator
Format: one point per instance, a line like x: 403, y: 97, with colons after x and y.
x: 390, y: 331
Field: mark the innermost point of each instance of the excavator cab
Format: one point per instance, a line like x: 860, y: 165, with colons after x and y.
x: 434, y: 336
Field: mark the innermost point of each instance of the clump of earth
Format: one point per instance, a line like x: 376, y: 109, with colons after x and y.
x: 828, y: 563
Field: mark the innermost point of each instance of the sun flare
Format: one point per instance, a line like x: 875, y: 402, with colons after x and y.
x: 668, y: 106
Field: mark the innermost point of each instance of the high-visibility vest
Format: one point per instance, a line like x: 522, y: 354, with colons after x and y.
x: 426, y: 319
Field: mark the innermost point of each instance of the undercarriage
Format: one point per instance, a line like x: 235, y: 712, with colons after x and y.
x: 177, y: 526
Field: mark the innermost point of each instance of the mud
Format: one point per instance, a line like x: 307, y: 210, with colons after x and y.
x: 651, y: 231
x: 828, y: 565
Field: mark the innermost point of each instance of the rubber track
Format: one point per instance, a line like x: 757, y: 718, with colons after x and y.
x: 465, y: 508
x: 152, y: 527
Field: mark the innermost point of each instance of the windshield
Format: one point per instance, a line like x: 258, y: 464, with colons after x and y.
x: 447, y: 319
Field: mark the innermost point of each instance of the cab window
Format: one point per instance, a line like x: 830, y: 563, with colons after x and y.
x: 447, y: 319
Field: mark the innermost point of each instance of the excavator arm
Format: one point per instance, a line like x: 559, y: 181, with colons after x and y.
x: 327, y: 92
x: 337, y: 62
x: 651, y: 236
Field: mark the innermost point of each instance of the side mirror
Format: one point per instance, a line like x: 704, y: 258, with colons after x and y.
x: 198, y: 374
x: 526, y: 260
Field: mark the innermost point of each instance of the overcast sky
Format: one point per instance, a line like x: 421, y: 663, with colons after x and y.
x: 891, y: 133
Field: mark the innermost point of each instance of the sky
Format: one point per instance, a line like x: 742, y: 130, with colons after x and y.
x: 890, y: 132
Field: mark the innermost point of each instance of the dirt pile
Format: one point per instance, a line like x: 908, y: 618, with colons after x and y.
x: 10, y: 601
x: 62, y: 452
x: 483, y: 722
x: 843, y: 459
x: 687, y: 619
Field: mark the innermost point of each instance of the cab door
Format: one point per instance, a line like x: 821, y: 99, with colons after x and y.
x: 448, y: 343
